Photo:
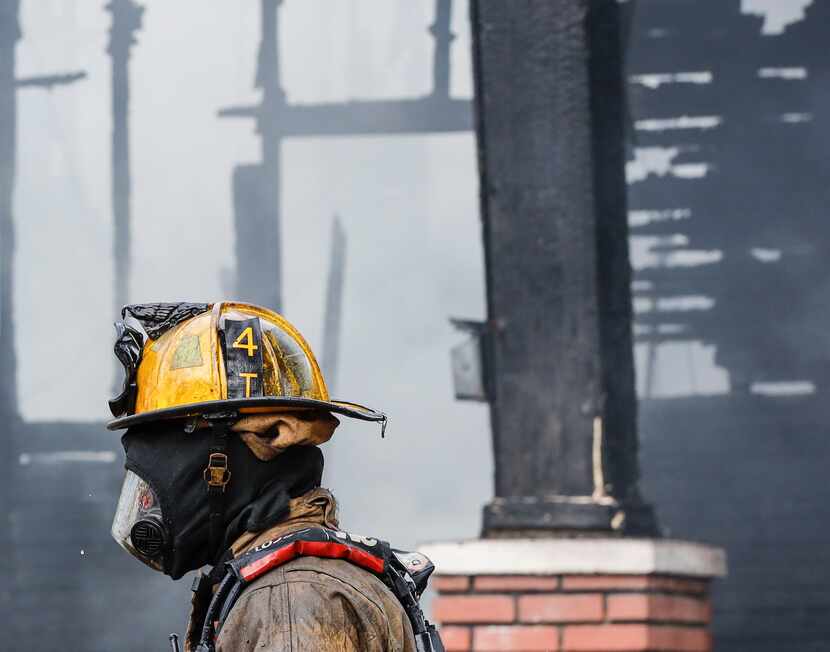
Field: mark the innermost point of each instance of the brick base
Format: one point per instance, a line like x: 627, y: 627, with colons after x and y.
x: 585, y: 613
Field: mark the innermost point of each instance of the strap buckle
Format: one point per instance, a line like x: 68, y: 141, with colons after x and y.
x: 217, y: 474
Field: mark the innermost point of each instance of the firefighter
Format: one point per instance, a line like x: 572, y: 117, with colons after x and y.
x: 224, y: 406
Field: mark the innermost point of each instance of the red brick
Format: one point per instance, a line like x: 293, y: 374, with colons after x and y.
x: 680, y: 639
x: 605, y: 638
x: 516, y: 583
x: 558, y: 608
x: 661, y: 608
x: 634, y: 638
x: 474, y: 609
x: 517, y: 637
x: 456, y: 639
x: 450, y: 583
x: 605, y: 582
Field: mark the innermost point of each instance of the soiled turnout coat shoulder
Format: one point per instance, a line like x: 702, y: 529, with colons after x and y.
x: 326, y: 605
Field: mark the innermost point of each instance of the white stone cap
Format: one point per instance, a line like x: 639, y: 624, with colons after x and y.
x: 582, y: 556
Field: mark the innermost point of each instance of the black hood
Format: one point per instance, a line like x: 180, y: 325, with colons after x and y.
x: 173, y: 462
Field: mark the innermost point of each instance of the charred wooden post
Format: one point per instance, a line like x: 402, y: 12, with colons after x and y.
x: 443, y: 36
x: 12, y: 424
x: 9, y: 35
x: 273, y: 103
x: 333, y: 315
x: 126, y: 21
x: 256, y: 187
x: 550, y: 109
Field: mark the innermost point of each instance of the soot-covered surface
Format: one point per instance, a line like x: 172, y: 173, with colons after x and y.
x: 732, y: 196
x: 729, y: 198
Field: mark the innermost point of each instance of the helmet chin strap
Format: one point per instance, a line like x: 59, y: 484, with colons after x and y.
x: 217, y: 475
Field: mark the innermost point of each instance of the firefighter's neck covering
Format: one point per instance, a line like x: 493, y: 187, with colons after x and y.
x: 165, y: 482
x: 224, y: 403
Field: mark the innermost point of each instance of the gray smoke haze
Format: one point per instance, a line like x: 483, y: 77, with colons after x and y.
x: 409, y: 205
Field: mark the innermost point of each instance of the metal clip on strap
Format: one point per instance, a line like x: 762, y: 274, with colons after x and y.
x: 217, y: 475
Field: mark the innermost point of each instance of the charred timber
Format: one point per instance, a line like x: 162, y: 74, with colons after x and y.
x: 50, y: 81
x: 422, y: 115
x: 126, y: 21
x: 9, y: 36
x: 550, y: 110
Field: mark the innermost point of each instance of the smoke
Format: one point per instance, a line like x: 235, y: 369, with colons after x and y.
x: 408, y: 204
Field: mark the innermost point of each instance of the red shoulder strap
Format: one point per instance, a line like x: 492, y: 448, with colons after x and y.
x: 312, y: 542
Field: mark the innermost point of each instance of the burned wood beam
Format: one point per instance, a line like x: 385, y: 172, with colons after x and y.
x: 421, y: 115
x: 443, y: 36
x: 127, y: 19
x: 550, y: 108
x: 50, y: 81
x: 9, y: 36
x: 333, y: 314
x: 9, y: 411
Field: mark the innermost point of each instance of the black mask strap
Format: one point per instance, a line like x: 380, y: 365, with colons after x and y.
x: 217, y: 474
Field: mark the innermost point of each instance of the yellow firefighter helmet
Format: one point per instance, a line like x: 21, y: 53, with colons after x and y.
x: 197, y: 359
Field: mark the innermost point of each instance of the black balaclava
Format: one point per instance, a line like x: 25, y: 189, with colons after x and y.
x: 172, y: 462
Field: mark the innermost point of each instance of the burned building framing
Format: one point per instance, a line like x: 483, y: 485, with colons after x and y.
x: 739, y: 114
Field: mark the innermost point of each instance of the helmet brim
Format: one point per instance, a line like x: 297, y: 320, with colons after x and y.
x: 249, y: 405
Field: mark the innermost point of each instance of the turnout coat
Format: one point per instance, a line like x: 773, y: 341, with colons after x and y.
x: 309, y: 603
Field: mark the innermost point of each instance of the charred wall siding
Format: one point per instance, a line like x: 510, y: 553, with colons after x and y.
x: 742, y: 119
x: 70, y: 586
x: 739, y: 470
x: 748, y: 473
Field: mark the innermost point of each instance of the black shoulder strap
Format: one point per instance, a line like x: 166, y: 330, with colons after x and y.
x: 406, y: 574
x: 217, y: 475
